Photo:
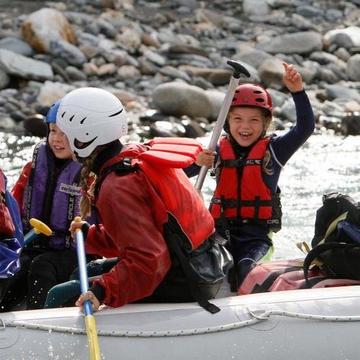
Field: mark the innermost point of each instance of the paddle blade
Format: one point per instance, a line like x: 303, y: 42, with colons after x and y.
x: 93, y: 341
x: 39, y: 227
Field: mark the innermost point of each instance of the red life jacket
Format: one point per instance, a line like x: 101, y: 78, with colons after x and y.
x: 162, y: 164
x: 189, y: 223
x: 241, y: 192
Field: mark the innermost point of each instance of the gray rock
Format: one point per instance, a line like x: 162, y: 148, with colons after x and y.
x: 4, y: 79
x: 271, y: 72
x: 303, y: 24
x: 252, y: 56
x: 178, y: 99
x: 341, y: 91
x: 353, y: 68
x: 6, y: 122
x: 342, y: 54
x: 287, y: 111
x: 323, y: 57
x: 186, y: 49
x: 309, y: 73
x: 309, y: 11
x: 92, y: 28
x: 333, y: 15
x: 147, y: 67
x: 169, y: 128
x: 107, y: 28
x: 74, y: 73
x: 15, y: 64
x: 216, y: 99
x: 201, y: 82
x: 331, y: 122
x: 17, y: 116
x: 350, y: 125
x: 16, y: 45
x: 175, y: 73
x: 278, y: 97
x: 35, y: 125
x: 214, y: 76
x: 154, y: 57
x: 346, y: 38
x: 68, y: 52
x: 327, y: 75
x: 189, y: 59
x: 301, y: 43
x: 193, y: 129
x: 255, y: 7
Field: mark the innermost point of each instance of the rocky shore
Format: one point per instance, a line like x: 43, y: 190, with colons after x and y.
x: 166, y: 60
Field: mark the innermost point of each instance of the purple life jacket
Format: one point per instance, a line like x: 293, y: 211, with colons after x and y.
x: 58, y: 209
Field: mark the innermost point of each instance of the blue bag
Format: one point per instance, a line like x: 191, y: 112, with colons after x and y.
x: 10, y: 247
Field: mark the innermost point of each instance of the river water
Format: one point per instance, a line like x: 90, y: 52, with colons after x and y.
x: 325, y: 163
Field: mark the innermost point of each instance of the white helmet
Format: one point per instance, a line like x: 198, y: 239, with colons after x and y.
x: 91, y: 117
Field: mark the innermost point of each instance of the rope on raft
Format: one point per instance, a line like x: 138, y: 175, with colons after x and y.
x: 257, y: 316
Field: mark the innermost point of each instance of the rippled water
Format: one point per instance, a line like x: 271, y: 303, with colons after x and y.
x: 325, y: 163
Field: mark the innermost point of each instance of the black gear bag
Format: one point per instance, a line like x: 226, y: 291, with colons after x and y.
x: 336, y: 242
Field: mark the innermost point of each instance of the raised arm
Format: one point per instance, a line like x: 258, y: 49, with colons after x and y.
x: 286, y: 145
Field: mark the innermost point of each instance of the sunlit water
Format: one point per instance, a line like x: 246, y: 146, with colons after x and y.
x: 325, y: 163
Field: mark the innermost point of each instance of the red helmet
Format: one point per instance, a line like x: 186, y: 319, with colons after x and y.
x: 252, y: 95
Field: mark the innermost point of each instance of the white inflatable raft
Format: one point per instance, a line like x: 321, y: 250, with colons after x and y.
x: 319, y: 324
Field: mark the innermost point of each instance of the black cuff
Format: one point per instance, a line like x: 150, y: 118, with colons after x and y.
x: 85, y: 229
x: 298, y: 92
x: 99, y: 292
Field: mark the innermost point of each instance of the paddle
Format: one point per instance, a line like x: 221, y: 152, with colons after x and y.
x: 90, y: 323
x: 238, y: 69
x: 38, y: 228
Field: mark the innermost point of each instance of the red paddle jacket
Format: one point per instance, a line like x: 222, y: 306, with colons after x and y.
x: 132, y: 216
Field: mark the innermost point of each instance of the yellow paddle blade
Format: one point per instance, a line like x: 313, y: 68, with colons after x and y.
x: 39, y: 227
x: 94, y: 349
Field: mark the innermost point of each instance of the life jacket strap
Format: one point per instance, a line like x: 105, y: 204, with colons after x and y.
x: 120, y: 168
x: 240, y: 162
x: 233, y: 203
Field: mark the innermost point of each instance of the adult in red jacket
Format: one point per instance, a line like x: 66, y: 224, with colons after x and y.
x: 150, y: 214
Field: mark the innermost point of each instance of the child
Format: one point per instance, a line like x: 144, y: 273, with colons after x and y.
x: 133, y: 196
x: 48, y: 189
x: 246, y: 202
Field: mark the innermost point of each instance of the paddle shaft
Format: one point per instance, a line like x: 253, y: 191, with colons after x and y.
x: 90, y: 323
x: 30, y: 236
x: 80, y: 247
x: 238, y: 69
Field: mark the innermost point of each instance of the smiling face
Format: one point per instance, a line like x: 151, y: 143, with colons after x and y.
x: 247, y: 124
x: 59, y: 143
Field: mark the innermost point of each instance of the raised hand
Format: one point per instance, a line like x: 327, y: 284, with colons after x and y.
x: 292, y: 78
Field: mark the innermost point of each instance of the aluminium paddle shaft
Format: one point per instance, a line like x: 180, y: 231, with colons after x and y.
x: 238, y: 69
x: 90, y: 323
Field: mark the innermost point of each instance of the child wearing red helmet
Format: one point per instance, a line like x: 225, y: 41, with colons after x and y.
x: 246, y: 202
